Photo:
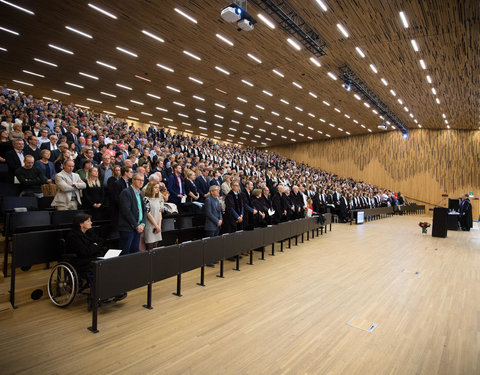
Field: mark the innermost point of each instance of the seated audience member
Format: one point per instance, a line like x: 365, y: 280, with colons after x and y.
x: 176, y: 186
x: 153, y: 205
x: 94, y: 193
x: 46, y: 166
x: 84, y: 243
x: 213, y: 212
x: 69, y: 186
x: 30, y: 178
x: 131, y: 216
x: 86, y: 165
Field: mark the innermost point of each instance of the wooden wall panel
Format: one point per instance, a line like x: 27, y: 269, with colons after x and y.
x: 424, y: 166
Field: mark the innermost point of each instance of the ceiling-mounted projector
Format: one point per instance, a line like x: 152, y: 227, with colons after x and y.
x: 245, y: 25
x: 234, y: 13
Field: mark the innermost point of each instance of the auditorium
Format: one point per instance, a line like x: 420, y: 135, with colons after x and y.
x: 240, y: 187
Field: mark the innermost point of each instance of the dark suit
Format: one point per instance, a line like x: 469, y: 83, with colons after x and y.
x: 87, y: 246
x: 234, y: 208
x: 13, y: 162
x: 175, y: 189
x: 203, y: 186
x: 466, y: 220
x: 129, y: 218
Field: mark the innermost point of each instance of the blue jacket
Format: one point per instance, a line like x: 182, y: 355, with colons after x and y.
x: 174, y: 189
x: 42, y: 167
x: 213, y: 213
x: 203, y: 187
x: 128, y: 211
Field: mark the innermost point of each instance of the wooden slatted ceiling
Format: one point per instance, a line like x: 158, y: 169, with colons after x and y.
x: 447, y: 34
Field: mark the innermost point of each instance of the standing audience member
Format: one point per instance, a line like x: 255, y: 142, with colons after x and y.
x: 176, y: 186
x: 213, y: 212
x: 69, y: 186
x: 15, y: 158
x: 94, y: 193
x: 131, y: 216
x: 234, y: 208
x: 153, y: 203
x: 465, y: 210
x: 30, y: 178
x: 46, y: 166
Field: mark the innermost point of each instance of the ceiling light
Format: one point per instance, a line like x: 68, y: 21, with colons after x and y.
x: 242, y: 100
x: 60, y: 49
x: 33, y: 74
x: 102, y: 11
x: 94, y: 100
x: 235, y: 121
x: 218, y: 132
x: 280, y: 126
x: 238, y: 112
x: 249, y: 126
x: 359, y: 51
x: 315, y: 61
x: 328, y: 135
x: 375, y: 111
x: 275, y: 113
x: 332, y: 125
x: 342, y: 29
x: 267, y: 92
x: 120, y: 107
x: 200, y: 110
x: 161, y: 109
x: 299, y: 109
x: 167, y: 119
x: 133, y: 118
x: 300, y: 123
x: 322, y: 5
x: 192, y: 55
x: 198, y: 98
x: 45, y: 62
x: 9, y: 31
x: 153, y: 36
x: 374, y: 68
x: 247, y: 83
x: 370, y: 130
x: 18, y: 7
x: 143, y: 78
x: 400, y: 101
x: 61, y: 92
x: 88, y: 75
x: 429, y: 79
x: 355, y: 121
x: 309, y: 137
x: 254, y: 118
x: 253, y: 57
x: 411, y: 115
x: 313, y: 95
x: 366, y: 104
x: 74, y: 85
x: 311, y: 114
x: 123, y: 86
x: 266, y: 21
x: 403, y: 17
x: 347, y: 116
x: 179, y: 104
x: 336, y: 109
x: 444, y: 115
x: 219, y: 105
x: 195, y: 80
x: 172, y: 88
x: 223, y: 92
x: 83, y: 106
x: 414, y: 45
x: 201, y: 120
x: 384, y: 81
x: 190, y: 18
x: 79, y: 32
x: 297, y: 84
x: 155, y: 123
x: 278, y: 73
x: 106, y: 65
x: 446, y: 121
x: 332, y: 76
x: 393, y: 93
x: 110, y: 113
x: 434, y: 91
x: 146, y: 114
x: 222, y: 70
x: 108, y: 94
x: 186, y: 123
x: 221, y: 37
x: 356, y: 96
x: 284, y: 101
x: 127, y: 51
x: 260, y: 107
x: 405, y: 109
x: 422, y: 64
x: 22, y: 83
x: 326, y: 103
x: 437, y: 100
x: 294, y: 44
x: 136, y: 102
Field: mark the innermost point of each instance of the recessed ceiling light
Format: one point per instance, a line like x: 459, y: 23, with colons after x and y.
x: 384, y: 81
x: 332, y: 125
x: 422, y: 64
x: 60, y: 49
x: 411, y: 115
x: 106, y: 65
x: 288, y: 118
x: 133, y: 118
x: 300, y: 123
x: 94, y: 100
x: 342, y: 30
x: 299, y: 109
x: 403, y: 17
x: 110, y: 113
x: 120, y: 107
x: 161, y: 109
x: 153, y: 122
x: 356, y: 96
x: 222, y: 38
x: 254, y: 118
x: 238, y: 112
x: 172, y: 88
x: 23, y: 83
x: 222, y: 70
x: 275, y: 113
x: 297, y: 84
x: 82, y: 106
x: 267, y: 92
x: 322, y: 5
x: 146, y: 114
x: 340, y: 129
x: 400, y: 101
x: 266, y: 21
x: 61, y: 92
x: 278, y: 73
x: 429, y: 79
x: 196, y: 80
x: 326, y: 103
x: 9, y: 31
x: 45, y: 62
x: 188, y: 17
x: 88, y: 75
x: 179, y: 104
x: 200, y: 110
x: 192, y: 55
x: 405, y: 109
x: 332, y: 76
x: 103, y: 11
x: 254, y: 58
x: 437, y: 100
x: 375, y: 111
x: 219, y: 105
x: 79, y: 32
x: 123, y: 86
x: 393, y: 93
x: 186, y: 123
x: 235, y: 121
x: 446, y: 121
x: 294, y: 44
x: 309, y: 137
x: 280, y: 126
x: 370, y: 130
x: 366, y: 104
x: 218, y: 116
x: 444, y: 115
x: 260, y: 107
x: 249, y: 126
x: 311, y: 114
x: 313, y: 95
x: 355, y: 121
x: 242, y: 100
x: 315, y: 61
x: 33, y: 74
x: 336, y: 109
x: 414, y: 45
x: 198, y: 98
x: 202, y: 120
x: 127, y: 51
x: 156, y: 37
x: 108, y: 94
x: 74, y: 85
x: 374, y: 68
x: 434, y: 92
x: 223, y: 92
x: 347, y: 116
x: 17, y: 7
x: 143, y: 78
x: 247, y: 83
x: 136, y: 102
x: 167, y: 119
x: 284, y: 101
x: 360, y: 52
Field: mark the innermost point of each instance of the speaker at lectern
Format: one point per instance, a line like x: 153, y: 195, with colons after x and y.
x: 440, y: 218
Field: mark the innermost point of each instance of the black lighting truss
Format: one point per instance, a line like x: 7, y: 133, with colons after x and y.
x: 349, y: 77
x: 292, y: 23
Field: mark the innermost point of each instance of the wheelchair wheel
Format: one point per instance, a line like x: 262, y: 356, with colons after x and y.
x: 63, y: 284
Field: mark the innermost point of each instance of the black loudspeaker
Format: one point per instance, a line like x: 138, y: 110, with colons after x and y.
x: 440, y: 216
x: 453, y: 204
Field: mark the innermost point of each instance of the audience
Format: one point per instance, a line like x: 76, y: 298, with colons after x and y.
x: 46, y: 166
x: 94, y: 193
x: 69, y: 186
x: 30, y: 178
x: 153, y: 206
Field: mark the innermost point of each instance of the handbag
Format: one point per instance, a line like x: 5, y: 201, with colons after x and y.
x: 49, y: 190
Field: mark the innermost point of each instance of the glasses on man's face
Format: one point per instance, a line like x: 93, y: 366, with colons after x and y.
x: 138, y: 179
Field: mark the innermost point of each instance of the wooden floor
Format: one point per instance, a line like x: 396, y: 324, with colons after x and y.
x: 286, y: 315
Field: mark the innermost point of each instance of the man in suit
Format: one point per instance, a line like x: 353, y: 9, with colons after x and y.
x: 465, y: 210
x: 132, y: 216
x: 51, y: 145
x: 15, y: 158
x: 175, y: 185
x: 234, y: 209
x: 280, y: 212
x: 32, y: 148
x: 120, y: 185
x: 69, y: 185
x: 213, y: 212
x: 248, y: 204
x: 202, y: 183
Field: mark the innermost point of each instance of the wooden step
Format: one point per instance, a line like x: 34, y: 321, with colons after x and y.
x: 6, y: 310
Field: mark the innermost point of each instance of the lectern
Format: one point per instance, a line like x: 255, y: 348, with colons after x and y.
x: 440, y: 218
